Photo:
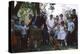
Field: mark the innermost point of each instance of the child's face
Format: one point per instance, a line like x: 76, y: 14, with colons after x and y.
x: 23, y: 23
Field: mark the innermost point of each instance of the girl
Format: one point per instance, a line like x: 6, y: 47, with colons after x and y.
x: 61, y: 36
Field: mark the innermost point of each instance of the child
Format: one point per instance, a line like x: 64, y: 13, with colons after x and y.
x: 62, y: 34
x: 17, y: 27
x: 24, y: 31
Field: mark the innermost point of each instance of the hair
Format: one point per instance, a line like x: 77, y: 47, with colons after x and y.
x: 57, y: 16
x: 22, y: 21
x: 74, y: 10
x: 51, y: 16
x: 61, y: 15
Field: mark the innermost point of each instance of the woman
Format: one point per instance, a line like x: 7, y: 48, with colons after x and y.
x: 45, y: 32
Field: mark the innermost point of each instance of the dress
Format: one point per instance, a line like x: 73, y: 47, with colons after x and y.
x: 61, y: 34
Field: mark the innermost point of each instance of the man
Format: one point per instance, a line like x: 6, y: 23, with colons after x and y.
x: 75, y: 32
x: 50, y: 23
x: 39, y: 21
x: 45, y: 33
x: 71, y: 27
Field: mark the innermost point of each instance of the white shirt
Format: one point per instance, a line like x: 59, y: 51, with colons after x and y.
x: 50, y: 24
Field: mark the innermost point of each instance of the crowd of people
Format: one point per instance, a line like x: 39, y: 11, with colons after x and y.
x: 64, y: 32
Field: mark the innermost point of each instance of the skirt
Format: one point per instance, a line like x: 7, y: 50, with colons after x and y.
x: 61, y: 35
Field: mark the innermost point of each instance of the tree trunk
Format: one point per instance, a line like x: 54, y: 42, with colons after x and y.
x: 16, y: 9
x: 37, y: 8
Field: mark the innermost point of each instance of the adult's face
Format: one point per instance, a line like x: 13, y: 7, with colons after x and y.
x: 57, y: 17
x: 61, y: 15
x: 73, y: 11
x: 51, y: 16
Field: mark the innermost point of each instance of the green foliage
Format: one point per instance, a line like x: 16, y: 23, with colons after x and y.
x: 26, y: 8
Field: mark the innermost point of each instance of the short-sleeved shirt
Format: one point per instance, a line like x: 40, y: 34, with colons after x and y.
x: 24, y: 29
x: 70, y: 26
